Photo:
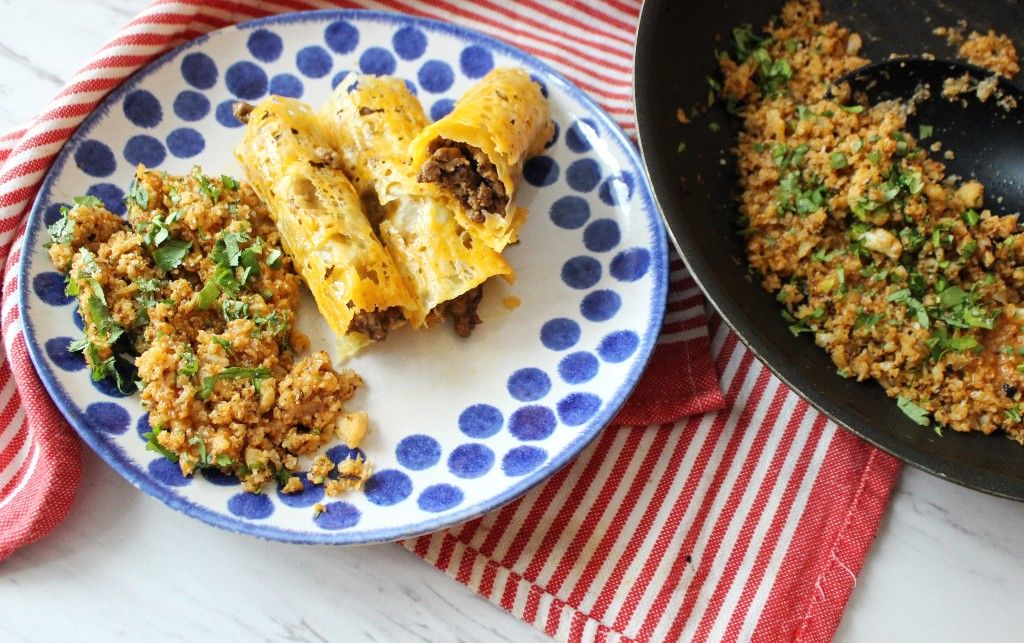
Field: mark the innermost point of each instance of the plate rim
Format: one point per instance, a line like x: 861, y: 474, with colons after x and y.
x: 114, y: 456
x: 988, y: 482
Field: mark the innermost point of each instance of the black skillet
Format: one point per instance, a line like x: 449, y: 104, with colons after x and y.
x: 675, y: 54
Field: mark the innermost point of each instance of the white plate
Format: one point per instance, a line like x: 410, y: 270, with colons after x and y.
x: 458, y: 427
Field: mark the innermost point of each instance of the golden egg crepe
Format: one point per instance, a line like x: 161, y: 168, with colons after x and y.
x: 292, y: 167
x: 371, y: 126
x: 475, y: 154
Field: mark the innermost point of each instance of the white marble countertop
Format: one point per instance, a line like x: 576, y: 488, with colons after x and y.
x: 948, y: 563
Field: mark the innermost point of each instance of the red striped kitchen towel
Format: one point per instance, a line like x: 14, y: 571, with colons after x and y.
x: 748, y: 521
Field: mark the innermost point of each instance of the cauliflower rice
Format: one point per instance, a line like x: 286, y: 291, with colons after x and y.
x: 193, y: 296
x: 899, y: 271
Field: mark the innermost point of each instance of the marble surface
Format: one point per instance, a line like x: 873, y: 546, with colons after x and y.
x: 947, y: 564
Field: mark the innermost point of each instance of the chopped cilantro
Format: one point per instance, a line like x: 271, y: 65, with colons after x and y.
x: 800, y: 195
x: 234, y: 309
x: 233, y: 372
x: 223, y: 343
x: 274, y: 323
x: 78, y: 345
x: 865, y: 320
x: 170, y: 255
x: 99, y: 313
x: 1013, y: 413
x: 63, y: 229
x: 224, y: 460
x: 905, y: 297
x: 158, y: 229
x: 274, y: 258
x: 746, y: 41
x: 139, y: 194
x: 911, y: 238
x: 917, y: 414
x: 204, y: 456
x: 283, y: 476
x: 206, y: 186
x: 229, y: 182
x: 152, y: 444
x: 188, y: 364
x: 960, y: 309
x: 838, y: 161
x: 145, y: 298
x: 924, y: 131
x: 228, y: 249
x: 968, y: 250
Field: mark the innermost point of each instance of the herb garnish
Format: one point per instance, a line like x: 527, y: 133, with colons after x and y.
x: 170, y: 255
x: 917, y: 414
x: 233, y: 372
x: 206, y: 186
x: 153, y: 445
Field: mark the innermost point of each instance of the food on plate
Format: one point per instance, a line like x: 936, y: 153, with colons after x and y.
x: 475, y: 154
x: 193, y: 296
x: 292, y: 167
x: 370, y: 121
x: 897, y: 269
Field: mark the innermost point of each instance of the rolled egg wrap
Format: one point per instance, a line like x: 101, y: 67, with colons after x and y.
x: 475, y: 154
x: 353, y: 279
x: 371, y: 121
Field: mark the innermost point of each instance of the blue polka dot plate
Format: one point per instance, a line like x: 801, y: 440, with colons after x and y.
x: 458, y: 427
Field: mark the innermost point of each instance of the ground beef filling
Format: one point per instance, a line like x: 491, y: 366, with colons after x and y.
x: 376, y: 324
x: 468, y: 174
x: 462, y: 311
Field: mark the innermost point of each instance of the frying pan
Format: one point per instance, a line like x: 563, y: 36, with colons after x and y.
x: 695, y: 188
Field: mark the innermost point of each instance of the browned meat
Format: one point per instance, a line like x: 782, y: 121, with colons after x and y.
x: 462, y: 311
x: 376, y: 324
x: 468, y: 174
x: 241, y: 110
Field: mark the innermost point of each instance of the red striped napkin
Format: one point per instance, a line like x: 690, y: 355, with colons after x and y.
x: 750, y: 519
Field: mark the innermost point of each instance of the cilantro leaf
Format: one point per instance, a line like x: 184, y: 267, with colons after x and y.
x: 137, y: 193
x: 917, y: 414
x: 206, y: 186
x: 204, y: 456
x: 63, y: 229
x: 223, y: 343
x: 208, y: 294
x: 78, y: 345
x: 153, y: 445
x: 88, y: 200
x: 914, y: 306
x: 170, y: 255
x: 274, y: 258
x: 274, y: 323
x: 234, y: 309
x: 233, y: 372
x: 189, y: 365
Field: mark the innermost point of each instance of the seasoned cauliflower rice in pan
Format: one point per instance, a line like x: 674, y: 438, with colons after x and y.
x: 193, y: 296
x: 898, y: 270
